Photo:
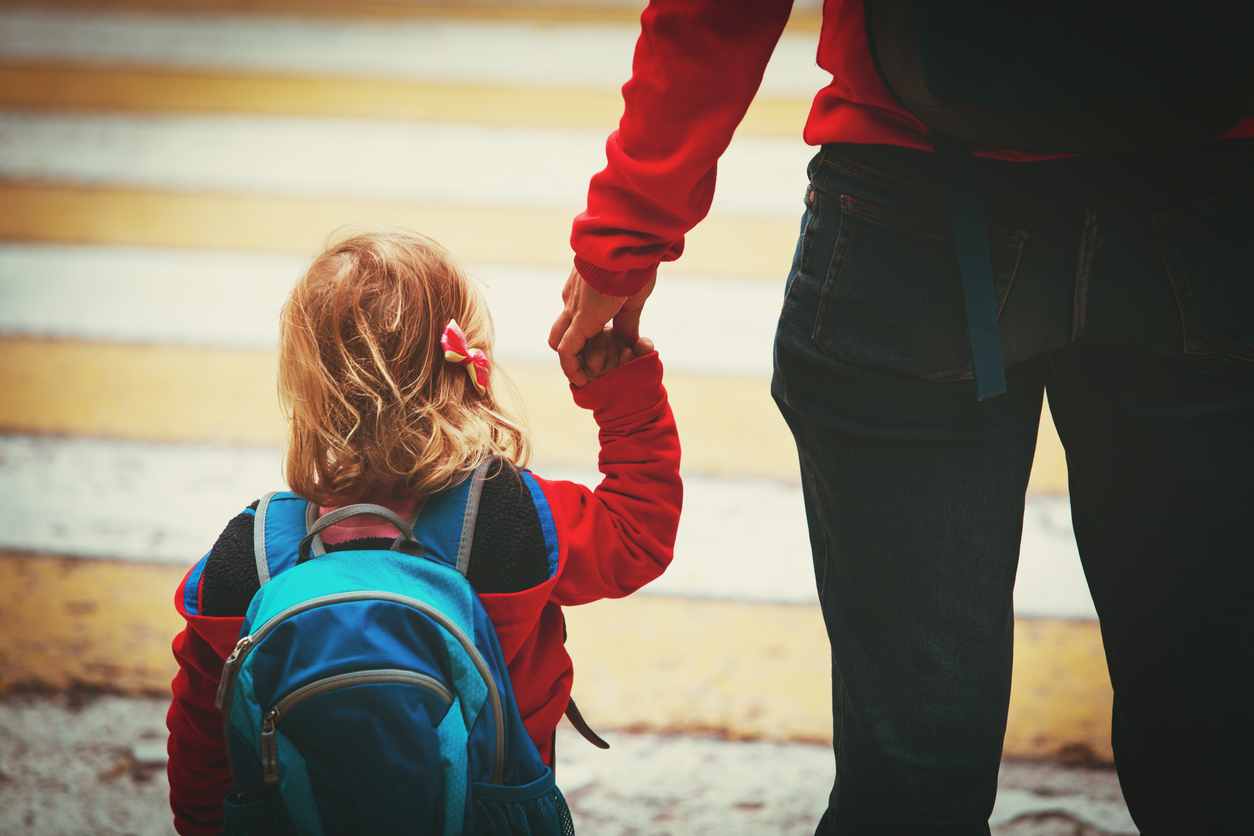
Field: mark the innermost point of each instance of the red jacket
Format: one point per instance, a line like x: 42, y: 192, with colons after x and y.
x: 611, y: 541
x: 697, y: 66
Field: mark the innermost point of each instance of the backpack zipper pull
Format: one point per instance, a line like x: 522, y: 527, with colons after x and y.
x: 270, y: 747
x: 228, y: 669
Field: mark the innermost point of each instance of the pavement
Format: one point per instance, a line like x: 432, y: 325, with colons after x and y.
x: 78, y: 762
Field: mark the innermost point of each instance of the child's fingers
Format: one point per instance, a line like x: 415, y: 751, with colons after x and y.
x: 606, y: 351
x: 598, y: 355
x: 643, y: 346
x: 594, y: 362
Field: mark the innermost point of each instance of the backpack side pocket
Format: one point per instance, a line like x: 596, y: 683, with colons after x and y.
x: 534, y: 809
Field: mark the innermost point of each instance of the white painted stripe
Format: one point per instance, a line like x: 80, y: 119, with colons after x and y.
x: 225, y: 299
x: 739, y: 539
x: 427, y: 49
x: 372, y: 159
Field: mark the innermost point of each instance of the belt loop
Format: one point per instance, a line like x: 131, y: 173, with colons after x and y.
x: 969, y: 219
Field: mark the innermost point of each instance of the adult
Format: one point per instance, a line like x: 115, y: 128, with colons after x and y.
x: 940, y: 286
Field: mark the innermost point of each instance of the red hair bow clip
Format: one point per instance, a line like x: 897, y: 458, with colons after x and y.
x: 475, y: 361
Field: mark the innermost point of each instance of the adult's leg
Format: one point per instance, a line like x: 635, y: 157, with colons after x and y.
x: 1161, y: 457
x: 915, y: 535
x: 1160, y: 450
x: 914, y: 494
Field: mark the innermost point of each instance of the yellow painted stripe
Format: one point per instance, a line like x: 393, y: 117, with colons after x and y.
x: 169, y: 393
x: 89, y: 87
x: 741, y: 670
x: 726, y: 245
x: 68, y: 621
x: 536, y: 11
x: 180, y: 393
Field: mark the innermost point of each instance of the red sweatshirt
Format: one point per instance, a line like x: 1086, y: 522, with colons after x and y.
x: 611, y: 541
x: 697, y: 66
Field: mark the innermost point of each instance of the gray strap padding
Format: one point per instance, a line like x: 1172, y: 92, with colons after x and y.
x: 316, y: 546
x: 470, y: 516
x: 259, y: 540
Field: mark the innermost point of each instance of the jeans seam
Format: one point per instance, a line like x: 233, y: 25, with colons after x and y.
x: 1083, y: 273
x: 1173, y: 281
x: 814, y: 205
x: 834, y: 266
x: 1014, y: 272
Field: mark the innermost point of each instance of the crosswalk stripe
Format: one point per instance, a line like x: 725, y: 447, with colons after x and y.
x: 805, y: 16
x: 195, y: 297
x: 169, y: 393
x: 727, y: 245
x: 430, y: 49
x: 644, y: 663
x: 148, y: 502
x: 434, y: 164
x: 191, y: 394
x: 51, y: 86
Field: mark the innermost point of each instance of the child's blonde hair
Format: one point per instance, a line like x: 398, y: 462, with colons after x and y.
x: 375, y: 410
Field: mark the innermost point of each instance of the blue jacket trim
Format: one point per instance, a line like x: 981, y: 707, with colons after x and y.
x: 545, y: 513
x: 191, y: 589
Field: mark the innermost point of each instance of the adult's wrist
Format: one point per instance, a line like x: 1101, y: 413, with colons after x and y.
x: 615, y: 282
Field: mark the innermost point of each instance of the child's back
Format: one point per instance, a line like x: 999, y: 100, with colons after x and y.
x: 383, y: 412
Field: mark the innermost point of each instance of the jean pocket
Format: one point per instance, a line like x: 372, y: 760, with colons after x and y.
x: 892, y: 299
x: 1208, y: 252
x: 820, y: 223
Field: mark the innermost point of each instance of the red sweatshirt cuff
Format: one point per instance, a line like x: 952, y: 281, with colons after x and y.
x: 625, y: 391
x: 614, y: 283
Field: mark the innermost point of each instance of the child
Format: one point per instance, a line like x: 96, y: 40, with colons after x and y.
x: 391, y: 402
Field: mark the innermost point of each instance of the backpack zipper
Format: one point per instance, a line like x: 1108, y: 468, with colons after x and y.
x: 246, y: 644
x: 228, y: 670
x: 269, y: 743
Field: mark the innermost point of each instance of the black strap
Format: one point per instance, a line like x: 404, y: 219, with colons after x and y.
x: 969, y: 218
x: 581, y: 725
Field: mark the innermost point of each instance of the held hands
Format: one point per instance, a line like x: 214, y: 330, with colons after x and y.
x: 607, y: 351
x: 583, y: 320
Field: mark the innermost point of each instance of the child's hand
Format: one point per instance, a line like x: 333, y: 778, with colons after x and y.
x: 607, y: 351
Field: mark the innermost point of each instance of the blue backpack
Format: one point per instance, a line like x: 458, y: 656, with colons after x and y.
x: 368, y: 692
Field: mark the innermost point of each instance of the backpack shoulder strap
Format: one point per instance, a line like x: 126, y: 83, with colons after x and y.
x: 446, y: 524
x: 279, y: 525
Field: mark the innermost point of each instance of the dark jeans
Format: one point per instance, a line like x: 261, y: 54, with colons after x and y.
x: 1126, y: 293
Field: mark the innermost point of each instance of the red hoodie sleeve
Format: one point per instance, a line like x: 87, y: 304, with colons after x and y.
x: 199, y: 775
x: 616, y: 538
x: 697, y: 66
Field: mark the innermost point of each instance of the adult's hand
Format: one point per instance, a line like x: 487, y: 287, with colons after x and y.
x: 585, y: 313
